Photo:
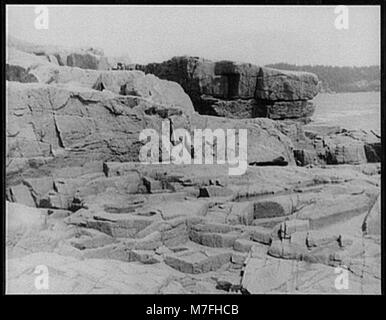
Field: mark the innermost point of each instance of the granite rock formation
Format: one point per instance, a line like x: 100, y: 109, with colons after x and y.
x: 240, y: 90
x: 80, y: 202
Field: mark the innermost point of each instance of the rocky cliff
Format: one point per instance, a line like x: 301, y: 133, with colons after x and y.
x: 80, y: 202
x: 241, y: 90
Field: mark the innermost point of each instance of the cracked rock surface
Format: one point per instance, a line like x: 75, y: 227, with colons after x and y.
x: 81, y: 206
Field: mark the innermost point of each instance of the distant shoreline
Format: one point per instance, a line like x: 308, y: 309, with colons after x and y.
x: 333, y: 92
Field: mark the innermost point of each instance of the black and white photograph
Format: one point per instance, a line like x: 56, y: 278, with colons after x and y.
x: 192, y: 149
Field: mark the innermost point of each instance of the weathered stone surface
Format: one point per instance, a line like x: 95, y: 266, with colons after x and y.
x: 46, y: 121
x: 241, y: 213
x: 214, y: 191
x: 305, y: 157
x: 372, y: 224
x: 147, y: 225
x: 240, y: 78
x: 243, y: 245
x: 26, y: 67
x: 276, y: 207
x: 214, y: 88
x: 90, y: 238
x: 70, y: 275
x: 83, y: 61
x: 294, y: 225
x: 287, y: 250
x: 274, y: 85
x: 119, y: 225
x: 290, y: 110
x: 343, y: 149
x: 75, y: 146
x: 136, y: 83
x: 194, y: 74
x: 336, y: 207
x: 333, y: 145
x: 174, y: 209
x: 152, y: 185
x: 205, y: 226
x: 234, y: 109
x: 197, y: 261
x: 85, y: 58
x: 149, y: 242
x: 215, y: 240
x: 18, y: 73
x: 144, y: 256
x: 260, y: 234
x: 21, y: 194
x: 277, y: 276
x: 264, y: 141
x: 21, y: 219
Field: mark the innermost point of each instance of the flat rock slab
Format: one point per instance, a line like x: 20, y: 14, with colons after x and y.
x: 198, y: 261
x: 70, y: 275
x: 174, y: 209
x: 272, y: 275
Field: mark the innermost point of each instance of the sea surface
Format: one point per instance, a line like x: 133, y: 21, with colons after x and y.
x: 359, y: 110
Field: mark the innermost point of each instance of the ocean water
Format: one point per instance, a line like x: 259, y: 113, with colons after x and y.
x: 359, y: 110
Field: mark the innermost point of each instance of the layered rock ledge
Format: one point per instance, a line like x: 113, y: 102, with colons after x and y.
x: 241, y: 90
x: 80, y: 202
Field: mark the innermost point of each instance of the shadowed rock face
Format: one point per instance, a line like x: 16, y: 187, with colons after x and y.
x: 300, y: 109
x: 214, y: 86
x: 18, y: 73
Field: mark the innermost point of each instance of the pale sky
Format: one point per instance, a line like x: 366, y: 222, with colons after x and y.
x: 255, y: 34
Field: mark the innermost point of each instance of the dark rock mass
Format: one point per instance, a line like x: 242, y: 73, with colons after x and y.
x: 243, y: 90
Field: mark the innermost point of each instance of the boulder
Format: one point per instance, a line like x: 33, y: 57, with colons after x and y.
x: 26, y: 67
x: 240, y: 90
x: 18, y: 73
x: 195, y: 75
x: 320, y: 144
x: 136, y: 83
x: 63, y: 124
x: 83, y: 61
x: 265, y: 142
x: 280, y: 85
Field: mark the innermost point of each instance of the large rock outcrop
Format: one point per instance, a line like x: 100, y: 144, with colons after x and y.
x: 276, y: 94
x: 80, y: 199
x: 26, y: 67
x: 279, y: 85
x: 64, y: 124
x: 49, y: 123
x: 84, y: 58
